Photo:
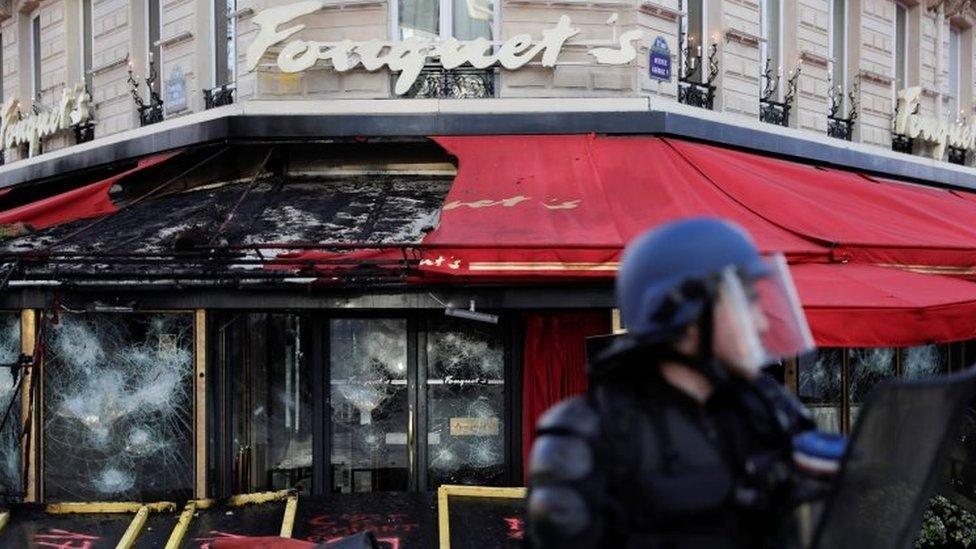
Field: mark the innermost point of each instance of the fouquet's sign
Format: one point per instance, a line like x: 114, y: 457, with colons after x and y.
x: 17, y: 127
x: 937, y: 132
x: 409, y: 56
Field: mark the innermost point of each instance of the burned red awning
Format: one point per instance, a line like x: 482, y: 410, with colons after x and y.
x: 84, y: 202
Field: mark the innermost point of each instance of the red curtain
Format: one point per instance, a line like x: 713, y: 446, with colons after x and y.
x: 554, y: 364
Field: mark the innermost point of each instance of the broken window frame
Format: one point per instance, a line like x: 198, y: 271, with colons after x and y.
x: 37, y: 452
x: 315, y: 341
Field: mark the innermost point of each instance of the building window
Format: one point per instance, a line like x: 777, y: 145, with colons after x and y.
x: 771, y: 46
x: 819, y: 386
x: 901, y: 46
x: 270, y: 401
x: 86, y: 43
x: 429, y: 20
x: 834, y: 382
x: 954, y: 97
x: 693, y: 34
x: 10, y: 479
x: 432, y: 19
x: 225, y: 55
x: 225, y: 48
x: 371, y: 449
x: 118, y: 407
x: 465, y: 378
x: 838, y: 45
x: 324, y: 404
x: 35, y: 57
x: 153, y: 21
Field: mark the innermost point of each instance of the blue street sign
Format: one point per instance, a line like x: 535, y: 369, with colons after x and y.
x: 660, y: 59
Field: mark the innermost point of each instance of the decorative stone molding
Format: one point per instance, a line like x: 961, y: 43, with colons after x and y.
x: 613, y: 4
x: 661, y: 12
x: 352, y: 4
x: 743, y: 37
x: 878, y: 78
x: 814, y: 58
x: 110, y: 65
x: 242, y: 13
x: 175, y: 39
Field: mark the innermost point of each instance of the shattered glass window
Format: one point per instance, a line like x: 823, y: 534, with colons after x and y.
x: 819, y: 386
x: 272, y: 403
x: 9, y: 398
x: 370, y: 417
x: 465, y: 404
x: 925, y: 361
x: 868, y: 367
x: 118, y: 410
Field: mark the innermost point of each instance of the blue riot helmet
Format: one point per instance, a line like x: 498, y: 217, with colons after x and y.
x: 672, y: 275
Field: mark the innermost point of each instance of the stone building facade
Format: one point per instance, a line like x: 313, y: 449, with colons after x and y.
x: 866, y: 49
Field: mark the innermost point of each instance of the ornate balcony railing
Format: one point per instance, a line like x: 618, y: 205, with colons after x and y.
x: 838, y: 126
x: 84, y: 132
x: 691, y: 89
x: 902, y: 143
x: 150, y: 112
x: 956, y: 155
x: 436, y: 82
x: 777, y: 112
x: 219, y: 96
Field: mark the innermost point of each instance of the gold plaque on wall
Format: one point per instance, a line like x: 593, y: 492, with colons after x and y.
x: 474, y: 426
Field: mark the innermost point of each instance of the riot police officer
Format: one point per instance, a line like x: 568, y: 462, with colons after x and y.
x: 681, y: 441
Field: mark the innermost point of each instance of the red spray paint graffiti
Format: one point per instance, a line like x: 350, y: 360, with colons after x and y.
x: 65, y: 539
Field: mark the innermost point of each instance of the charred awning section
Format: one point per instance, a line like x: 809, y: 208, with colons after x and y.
x: 201, y: 227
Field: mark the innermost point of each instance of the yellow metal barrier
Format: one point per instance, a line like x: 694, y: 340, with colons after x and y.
x: 447, y: 490
x: 288, y: 521
x: 182, y: 525
x: 134, y: 529
x: 241, y: 500
x: 106, y: 507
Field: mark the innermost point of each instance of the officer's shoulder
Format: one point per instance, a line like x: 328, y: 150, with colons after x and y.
x: 573, y: 415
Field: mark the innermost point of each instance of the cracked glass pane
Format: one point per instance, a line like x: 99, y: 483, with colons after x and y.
x: 368, y: 371
x: 465, y: 404
x: 819, y: 386
x: 272, y: 402
x: 925, y: 360
x: 9, y: 448
x: 118, y: 407
x: 868, y: 368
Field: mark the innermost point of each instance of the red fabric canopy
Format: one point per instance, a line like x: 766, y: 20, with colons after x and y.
x: 851, y: 305
x: 81, y: 203
x: 564, y: 206
x: 877, y: 221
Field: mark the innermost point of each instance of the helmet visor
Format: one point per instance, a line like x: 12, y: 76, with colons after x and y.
x: 760, y: 321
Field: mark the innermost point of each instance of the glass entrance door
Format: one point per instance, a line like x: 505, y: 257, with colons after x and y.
x: 370, y: 406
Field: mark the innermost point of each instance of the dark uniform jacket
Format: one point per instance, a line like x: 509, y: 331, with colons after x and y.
x: 637, y: 463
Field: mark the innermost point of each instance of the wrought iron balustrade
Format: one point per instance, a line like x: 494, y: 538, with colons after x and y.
x: 150, y: 112
x: 902, y: 143
x: 219, y: 96
x: 838, y: 126
x: 692, y: 90
x: 436, y: 82
x: 956, y: 155
x: 84, y: 132
x: 777, y: 112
